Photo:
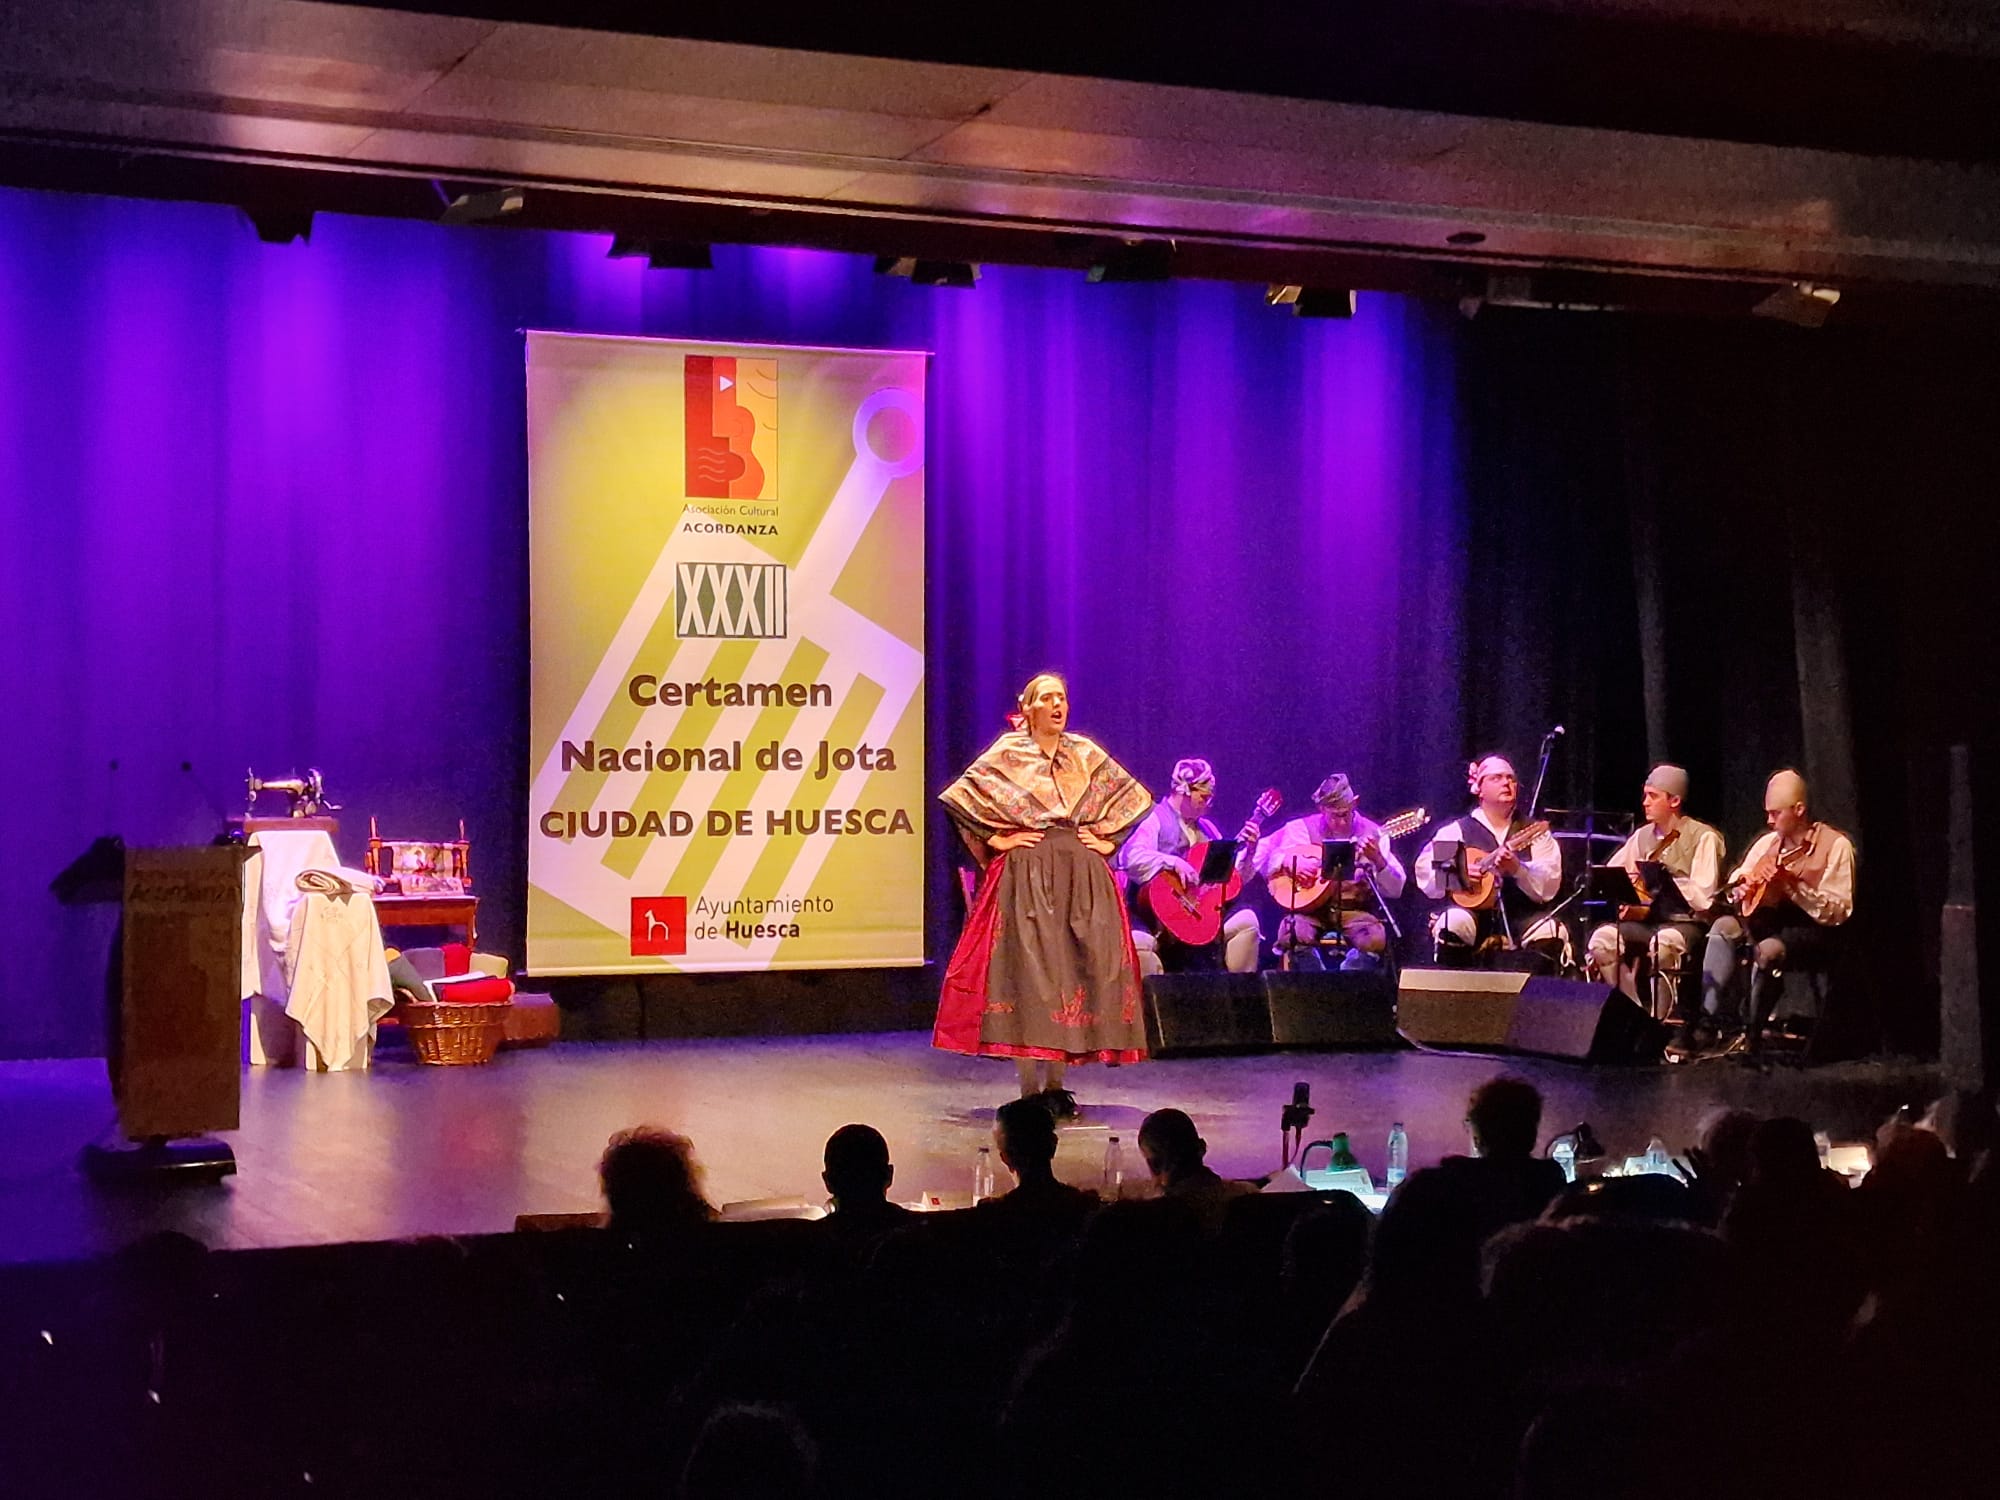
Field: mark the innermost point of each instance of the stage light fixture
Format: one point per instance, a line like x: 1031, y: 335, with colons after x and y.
x: 928, y: 272
x: 1312, y: 301
x: 662, y: 255
x: 280, y: 226
x: 1800, y: 303
x: 481, y: 208
x: 1135, y: 260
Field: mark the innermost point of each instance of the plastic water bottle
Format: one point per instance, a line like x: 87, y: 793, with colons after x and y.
x: 1343, y: 1154
x: 982, y: 1175
x: 1564, y: 1152
x: 1399, y: 1155
x: 1114, y: 1168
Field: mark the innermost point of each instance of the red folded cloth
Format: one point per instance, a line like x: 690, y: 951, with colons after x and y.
x: 489, y: 989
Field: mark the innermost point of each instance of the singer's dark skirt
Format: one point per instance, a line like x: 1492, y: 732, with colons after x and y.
x: 1045, y: 967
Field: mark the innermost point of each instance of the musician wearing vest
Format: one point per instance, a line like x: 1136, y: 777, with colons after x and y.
x: 1692, y: 853
x: 1793, y: 893
x: 1160, y: 842
x: 1496, y: 876
x: 1289, y: 861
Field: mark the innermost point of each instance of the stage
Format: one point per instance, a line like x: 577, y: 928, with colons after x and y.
x: 406, y: 1150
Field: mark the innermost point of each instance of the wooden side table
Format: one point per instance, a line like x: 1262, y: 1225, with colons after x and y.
x: 430, y: 909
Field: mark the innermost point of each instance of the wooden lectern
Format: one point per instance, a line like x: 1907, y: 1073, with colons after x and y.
x: 175, y: 1039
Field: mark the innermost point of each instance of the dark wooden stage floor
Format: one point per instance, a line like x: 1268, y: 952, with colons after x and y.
x: 403, y: 1150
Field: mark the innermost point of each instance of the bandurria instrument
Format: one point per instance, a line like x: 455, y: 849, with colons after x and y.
x: 1194, y: 917
x: 1296, y: 885
x: 1482, y: 882
x: 1772, y: 877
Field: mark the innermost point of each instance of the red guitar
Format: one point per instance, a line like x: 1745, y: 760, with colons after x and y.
x: 1194, y: 916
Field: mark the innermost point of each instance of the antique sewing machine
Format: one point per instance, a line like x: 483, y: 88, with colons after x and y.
x: 308, y: 793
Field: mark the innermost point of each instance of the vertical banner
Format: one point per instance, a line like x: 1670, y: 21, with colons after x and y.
x: 726, y: 575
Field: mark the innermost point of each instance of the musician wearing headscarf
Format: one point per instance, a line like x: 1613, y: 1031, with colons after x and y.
x: 1291, y: 857
x: 1526, y: 879
x: 1045, y: 971
x: 1691, y: 852
x: 1796, y: 890
x: 1160, y: 842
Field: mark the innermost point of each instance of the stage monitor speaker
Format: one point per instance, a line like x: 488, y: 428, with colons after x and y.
x: 1332, y: 1009
x: 1192, y: 1014
x: 1479, y: 1010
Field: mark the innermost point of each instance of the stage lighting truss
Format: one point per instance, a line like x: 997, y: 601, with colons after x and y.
x: 661, y: 255
x: 928, y: 272
x: 1312, y: 301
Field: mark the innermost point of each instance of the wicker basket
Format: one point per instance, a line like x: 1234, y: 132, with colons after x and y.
x: 448, y: 1035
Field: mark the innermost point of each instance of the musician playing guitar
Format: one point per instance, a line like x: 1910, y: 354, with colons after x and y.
x: 1161, y: 841
x: 1292, y: 857
x: 1792, y: 893
x: 1643, y: 938
x: 1496, y: 876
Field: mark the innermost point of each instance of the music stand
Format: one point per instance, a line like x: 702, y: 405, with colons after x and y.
x: 1668, y: 904
x: 1218, y: 862
x: 1336, y: 863
x: 1608, y: 887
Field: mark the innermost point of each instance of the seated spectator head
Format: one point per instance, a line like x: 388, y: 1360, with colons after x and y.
x: 1724, y: 1141
x: 1171, y: 1145
x: 1025, y: 1133
x: 651, y: 1181
x: 1427, y: 1243
x: 1967, y: 1124
x: 751, y: 1450
x: 1504, y: 1116
x: 1782, y: 1154
x: 858, y: 1169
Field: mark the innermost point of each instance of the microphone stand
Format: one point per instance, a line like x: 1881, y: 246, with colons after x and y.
x: 1541, y: 775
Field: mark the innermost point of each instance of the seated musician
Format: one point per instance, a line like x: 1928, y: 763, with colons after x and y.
x: 1692, y: 853
x: 1794, y: 890
x: 1161, y: 841
x: 1496, y: 898
x: 1289, y: 861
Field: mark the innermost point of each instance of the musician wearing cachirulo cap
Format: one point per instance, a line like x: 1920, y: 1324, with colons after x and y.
x: 1496, y: 876
x: 1290, y: 860
x: 1161, y: 842
x: 1793, y: 893
x: 1691, y: 852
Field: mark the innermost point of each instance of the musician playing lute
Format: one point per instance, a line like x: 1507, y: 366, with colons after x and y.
x: 1162, y: 840
x: 1470, y: 850
x: 1648, y: 942
x: 1794, y: 891
x: 1293, y: 854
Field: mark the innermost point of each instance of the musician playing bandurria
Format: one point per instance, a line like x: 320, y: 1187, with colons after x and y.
x: 1044, y: 972
x: 1692, y: 853
x: 1797, y: 886
x: 1161, y: 841
x: 1294, y: 851
x: 1526, y: 879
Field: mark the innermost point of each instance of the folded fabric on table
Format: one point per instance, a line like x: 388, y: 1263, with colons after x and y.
x: 338, y: 880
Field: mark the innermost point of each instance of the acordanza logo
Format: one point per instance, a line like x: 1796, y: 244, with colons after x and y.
x: 659, y: 926
x: 740, y: 600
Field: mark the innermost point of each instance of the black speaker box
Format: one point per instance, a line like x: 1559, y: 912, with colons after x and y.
x: 1513, y: 1012
x: 1332, y: 1009
x: 1205, y: 1013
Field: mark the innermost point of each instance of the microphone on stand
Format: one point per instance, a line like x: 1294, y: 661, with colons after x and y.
x: 1554, y: 734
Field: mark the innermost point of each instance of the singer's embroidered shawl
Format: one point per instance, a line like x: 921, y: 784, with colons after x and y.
x: 1015, y: 785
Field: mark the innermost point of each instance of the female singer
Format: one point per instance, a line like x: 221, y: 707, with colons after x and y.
x: 1044, y: 972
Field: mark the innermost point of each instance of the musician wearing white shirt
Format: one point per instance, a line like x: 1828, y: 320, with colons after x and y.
x: 1692, y: 854
x: 1160, y: 841
x: 1796, y: 890
x: 1293, y: 855
x: 1525, y: 880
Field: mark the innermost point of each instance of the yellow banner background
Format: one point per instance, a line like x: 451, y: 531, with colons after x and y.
x: 726, y: 557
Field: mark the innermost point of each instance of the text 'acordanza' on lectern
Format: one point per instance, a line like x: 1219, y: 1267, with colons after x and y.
x: 173, y: 1037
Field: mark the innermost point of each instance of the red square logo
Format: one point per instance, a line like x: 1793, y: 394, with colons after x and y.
x: 659, y: 925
